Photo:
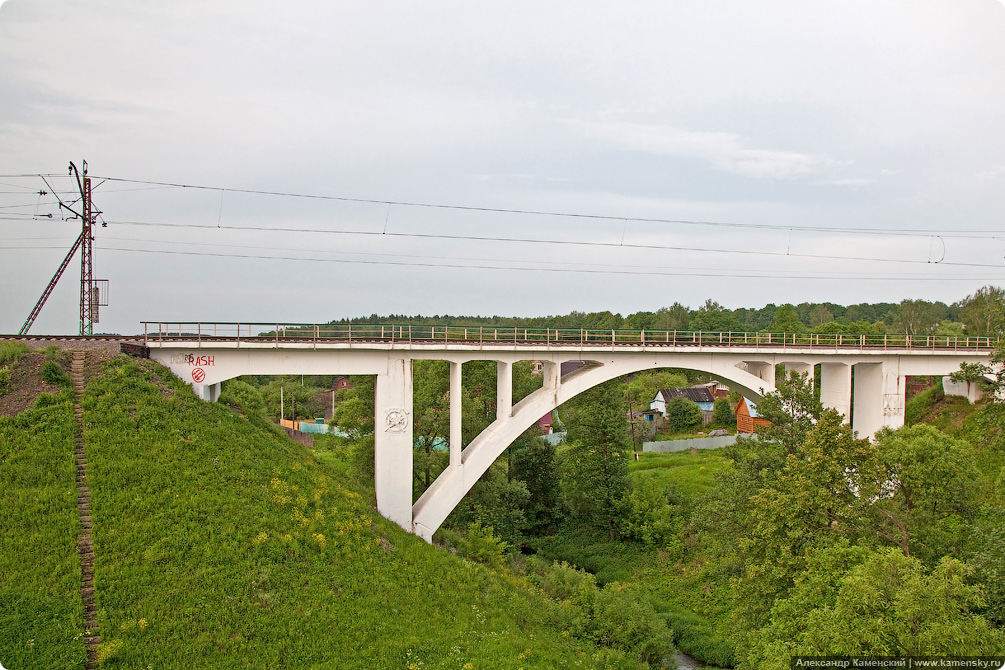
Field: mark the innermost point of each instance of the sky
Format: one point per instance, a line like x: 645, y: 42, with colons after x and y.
x: 303, y: 162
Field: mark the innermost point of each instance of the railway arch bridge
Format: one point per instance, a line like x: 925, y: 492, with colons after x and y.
x: 205, y: 355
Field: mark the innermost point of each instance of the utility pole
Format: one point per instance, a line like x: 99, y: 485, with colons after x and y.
x: 631, y: 422
x: 90, y: 295
x: 88, y: 291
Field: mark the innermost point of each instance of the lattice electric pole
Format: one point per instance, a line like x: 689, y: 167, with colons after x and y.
x: 90, y: 294
x: 88, y: 301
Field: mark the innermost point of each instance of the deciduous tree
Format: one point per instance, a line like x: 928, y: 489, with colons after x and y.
x: 595, y: 465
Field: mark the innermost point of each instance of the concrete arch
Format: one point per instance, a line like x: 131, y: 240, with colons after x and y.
x: 446, y: 492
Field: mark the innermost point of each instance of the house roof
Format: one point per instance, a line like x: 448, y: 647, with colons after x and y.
x: 751, y: 407
x: 694, y: 394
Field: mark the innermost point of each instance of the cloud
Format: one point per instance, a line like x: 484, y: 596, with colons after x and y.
x: 847, y: 182
x: 995, y: 173
x: 490, y: 177
x: 725, y: 151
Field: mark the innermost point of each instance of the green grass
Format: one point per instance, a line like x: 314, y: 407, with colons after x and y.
x: 41, y: 615
x: 692, y: 474
x: 11, y: 352
x: 588, y: 547
x: 222, y: 544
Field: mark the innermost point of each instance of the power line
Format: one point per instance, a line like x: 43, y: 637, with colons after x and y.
x: 545, y: 268
x: 577, y: 243
x: 599, y: 217
x: 684, y: 271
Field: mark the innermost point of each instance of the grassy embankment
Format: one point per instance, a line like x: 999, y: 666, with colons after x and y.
x: 684, y: 589
x: 982, y: 425
x: 219, y: 543
x: 41, y: 615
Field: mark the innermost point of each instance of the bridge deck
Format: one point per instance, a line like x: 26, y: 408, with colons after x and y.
x: 461, y: 337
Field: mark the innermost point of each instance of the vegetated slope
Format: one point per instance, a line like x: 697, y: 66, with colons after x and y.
x: 220, y: 543
x: 41, y: 615
x: 682, y: 586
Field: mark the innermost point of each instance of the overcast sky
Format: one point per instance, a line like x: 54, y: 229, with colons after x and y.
x: 848, y: 151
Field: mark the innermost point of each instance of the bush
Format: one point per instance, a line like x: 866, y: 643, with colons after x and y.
x: 482, y: 546
x: 558, y: 580
x: 623, y: 623
x: 48, y: 400
x: 53, y: 373
x: 683, y: 414
x: 721, y: 413
x: 624, y: 627
x: 650, y: 515
x: 4, y: 380
x: 242, y: 395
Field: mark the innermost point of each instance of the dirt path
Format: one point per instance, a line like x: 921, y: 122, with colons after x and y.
x: 85, y: 541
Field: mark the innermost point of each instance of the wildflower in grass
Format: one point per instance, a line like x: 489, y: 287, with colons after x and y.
x: 469, y: 666
x: 142, y: 623
x: 108, y: 650
x: 280, y: 490
x: 320, y: 539
x: 261, y: 538
x: 287, y: 538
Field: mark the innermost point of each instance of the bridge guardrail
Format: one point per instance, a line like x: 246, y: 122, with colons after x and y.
x: 159, y: 331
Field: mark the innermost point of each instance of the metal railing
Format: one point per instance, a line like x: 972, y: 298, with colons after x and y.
x: 261, y: 332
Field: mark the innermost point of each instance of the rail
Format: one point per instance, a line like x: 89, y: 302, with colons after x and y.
x: 260, y: 332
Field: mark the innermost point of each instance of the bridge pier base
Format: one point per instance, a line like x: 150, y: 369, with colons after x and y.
x: 208, y: 392
x: 392, y: 442
x: 879, y: 398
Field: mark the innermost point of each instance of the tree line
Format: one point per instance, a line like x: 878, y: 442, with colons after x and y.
x: 979, y: 314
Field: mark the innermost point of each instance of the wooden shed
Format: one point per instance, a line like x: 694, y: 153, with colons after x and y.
x: 747, y: 418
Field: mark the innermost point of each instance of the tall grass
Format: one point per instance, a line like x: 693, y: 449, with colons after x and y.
x: 41, y: 615
x: 11, y: 352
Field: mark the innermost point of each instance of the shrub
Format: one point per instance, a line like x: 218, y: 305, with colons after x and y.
x: 4, y: 380
x: 482, y: 546
x: 623, y: 623
x: 683, y: 414
x: 650, y: 514
x: 48, y: 400
x: 558, y: 580
x: 242, y: 395
x: 721, y: 413
x: 53, y: 373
